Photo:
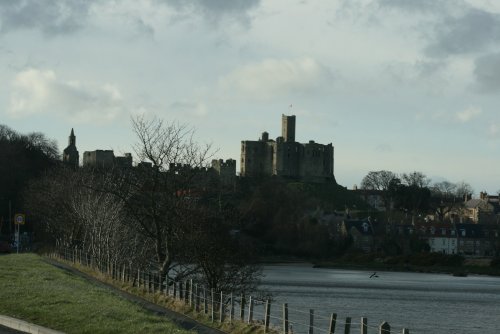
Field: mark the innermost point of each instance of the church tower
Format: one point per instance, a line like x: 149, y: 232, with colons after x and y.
x: 70, y: 153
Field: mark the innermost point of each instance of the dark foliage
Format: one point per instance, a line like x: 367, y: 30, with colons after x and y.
x: 24, y: 157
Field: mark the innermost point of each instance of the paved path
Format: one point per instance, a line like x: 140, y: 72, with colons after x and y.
x: 10, y: 325
x: 7, y: 330
x: 177, y: 318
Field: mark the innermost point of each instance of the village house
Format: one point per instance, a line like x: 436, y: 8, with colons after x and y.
x: 441, y: 238
x: 362, y: 233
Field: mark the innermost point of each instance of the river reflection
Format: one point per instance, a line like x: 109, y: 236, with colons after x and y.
x: 423, y: 303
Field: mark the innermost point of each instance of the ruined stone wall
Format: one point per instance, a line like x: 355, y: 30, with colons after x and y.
x: 252, y: 158
x: 226, y: 170
x: 316, y: 162
x: 98, y: 158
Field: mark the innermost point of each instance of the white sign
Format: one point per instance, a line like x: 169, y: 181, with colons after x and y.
x: 19, y: 219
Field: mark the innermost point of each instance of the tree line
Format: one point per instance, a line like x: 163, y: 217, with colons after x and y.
x: 414, y: 194
x: 172, y: 220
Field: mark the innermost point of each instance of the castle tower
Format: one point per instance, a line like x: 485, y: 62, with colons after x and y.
x: 288, y: 128
x: 70, y: 153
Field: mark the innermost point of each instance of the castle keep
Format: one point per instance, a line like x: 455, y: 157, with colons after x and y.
x: 310, y: 162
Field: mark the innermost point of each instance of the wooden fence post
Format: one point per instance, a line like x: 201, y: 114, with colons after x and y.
x: 212, y: 304
x: 250, y: 310
x: 311, y: 321
x: 406, y: 331
x: 364, y: 325
x: 160, y: 283
x: 267, y: 316
x: 175, y: 289
x: 196, y: 298
x: 205, y: 300
x: 242, y: 308
x: 384, y: 328
x: 347, y: 328
x: 333, y: 322
x: 285, y: 318
x: 221, y: 308
x: 153, y: 282
x: 149, y: 281
x: 191, y: 292
x: 186, y: 293
x: 231, y: 309
x: 166, y: 286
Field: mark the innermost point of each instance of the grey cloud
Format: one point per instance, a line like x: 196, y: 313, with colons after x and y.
x: 450, y: 27
x: 426, y: 68
x: 52, y: 17
x: 487, y: 73
x: 475, y: 31
x: 414, y: 5
x: 143, y: 28
x: 214, y: 10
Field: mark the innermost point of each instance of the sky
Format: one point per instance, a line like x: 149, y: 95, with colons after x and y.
x: 398, y: 85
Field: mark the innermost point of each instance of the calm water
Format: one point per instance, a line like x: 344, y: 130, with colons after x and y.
x: 423, y: 303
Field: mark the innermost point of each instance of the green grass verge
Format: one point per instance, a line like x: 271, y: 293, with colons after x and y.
x: 35, y: 291
x: 236, y: 326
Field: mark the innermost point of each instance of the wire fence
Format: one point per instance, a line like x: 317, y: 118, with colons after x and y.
x: 218, y: 306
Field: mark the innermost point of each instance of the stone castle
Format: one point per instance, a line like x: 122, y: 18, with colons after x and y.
x: 284, y: 157
x: 97, y: 158
x: 224, y: 170
x: 309, y: 162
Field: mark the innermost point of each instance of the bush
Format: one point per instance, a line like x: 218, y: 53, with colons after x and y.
x: 495, y: 263
x: 436, y: 259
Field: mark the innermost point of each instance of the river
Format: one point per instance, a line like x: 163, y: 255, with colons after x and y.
x: 423, y: 303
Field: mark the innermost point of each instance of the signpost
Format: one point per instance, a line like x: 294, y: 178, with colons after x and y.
x: 19, y: 219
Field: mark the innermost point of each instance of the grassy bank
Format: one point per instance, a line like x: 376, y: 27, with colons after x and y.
x: 37, y: 292
x: 159, y: 298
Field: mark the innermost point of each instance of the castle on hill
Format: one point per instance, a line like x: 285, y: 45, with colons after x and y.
x: 224, y: 170
x: 284, y: 157
x: 309, y: 162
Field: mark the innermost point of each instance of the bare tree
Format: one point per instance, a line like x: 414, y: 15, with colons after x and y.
x: 225, y: 258
x: 464, y: 190
x: 49, y: 201
x: 159, y: 197
x: 444, y: 189
x: 378, y: 180
x: 415, y: 179
x: 72, y: 208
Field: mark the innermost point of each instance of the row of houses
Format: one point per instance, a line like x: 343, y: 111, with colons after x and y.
x: 474, y: 240
x: 482, y: 210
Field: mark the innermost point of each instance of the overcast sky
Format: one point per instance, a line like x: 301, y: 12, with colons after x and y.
x: 400, y: 85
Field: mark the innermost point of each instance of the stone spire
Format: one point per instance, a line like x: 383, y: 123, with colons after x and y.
x: 70, y: 153
x: 72, y: 138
